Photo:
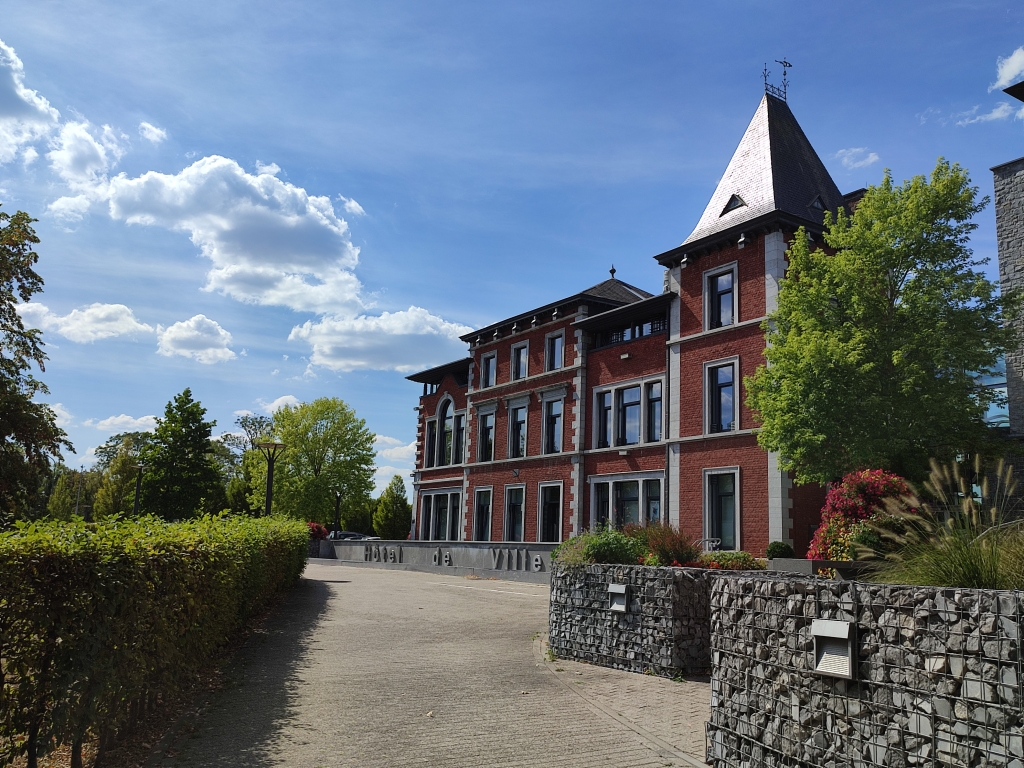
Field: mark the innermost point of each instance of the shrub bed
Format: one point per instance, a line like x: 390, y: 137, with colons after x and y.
x: 654, y: 545
x: 97, y: 620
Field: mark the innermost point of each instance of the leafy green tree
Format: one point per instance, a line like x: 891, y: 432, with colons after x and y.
x: 74, y: 488
x: 132, y: 442
x: 874, y: 353
x: 116, y: 495
x: 181, y: 480
x: 328, y: 448
x: 29, y: 436
x: 393, y: 516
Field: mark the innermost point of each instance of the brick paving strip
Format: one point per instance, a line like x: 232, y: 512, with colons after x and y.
x: 365, y: 667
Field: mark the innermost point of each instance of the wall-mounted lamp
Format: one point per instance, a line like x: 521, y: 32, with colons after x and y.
x: 833, y: 648
x: 742, y: 242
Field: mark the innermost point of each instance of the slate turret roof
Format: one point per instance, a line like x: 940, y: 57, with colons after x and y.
x: 774, y: 173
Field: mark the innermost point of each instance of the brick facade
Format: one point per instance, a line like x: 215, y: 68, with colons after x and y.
x: 646, y: 434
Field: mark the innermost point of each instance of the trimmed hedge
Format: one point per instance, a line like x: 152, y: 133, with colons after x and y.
x: 96, y: 620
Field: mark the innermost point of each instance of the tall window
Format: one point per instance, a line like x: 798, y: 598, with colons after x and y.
x: 427, y: 518
x: 459, y: 451
x: 720, y: 300
x: 601, y: 509
x: 482, y: 519
x: 431, y: 453
x: 721, y: 393
x: 519, y: 362
x: 514, y: 514
x: 550, y: 513
x: 722, y: 508
x: 604, y: 420
x: 654, y: 411
x: 555, y: 352
x: 486, y: 437
x: 627, y: 503
x: 488, y: 370
x: 652, y: 501
x: 517, y: 432
x: 440, y: 532
x: 629, y: 416
x: 447, y: 422
x: 553, y: 426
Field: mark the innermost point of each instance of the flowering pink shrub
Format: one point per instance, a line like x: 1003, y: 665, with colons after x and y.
x: 316, y: 531
x: 859, y: 496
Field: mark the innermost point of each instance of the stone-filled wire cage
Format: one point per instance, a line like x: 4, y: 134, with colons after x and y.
x: 935, y: 681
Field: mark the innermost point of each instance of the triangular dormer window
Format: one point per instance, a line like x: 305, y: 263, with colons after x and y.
x: 817, y: 204
x: 734, y: 202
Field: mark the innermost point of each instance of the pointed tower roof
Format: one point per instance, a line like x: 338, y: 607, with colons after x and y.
x: 774, y: 173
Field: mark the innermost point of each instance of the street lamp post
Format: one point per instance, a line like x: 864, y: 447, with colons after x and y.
x: 138, y: 488
x: 78, y: 496
x: 337, y: 510
x: 270, y: 451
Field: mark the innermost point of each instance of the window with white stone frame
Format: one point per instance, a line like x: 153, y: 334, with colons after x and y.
x: 482, y: 514
x: 488, y: 370
x: 626, y: 499
x: 629, y: 413
x: 440, y: 515
x: 721, y: 396
x: 722, y: 508
x: 520, y: 367
x: 552, y: 409
x: 549, y: 512
x: 515, y: 513
x: 554, y: 351
x: 517, y: 413
x: 448, y: 434
x: 721, y: 294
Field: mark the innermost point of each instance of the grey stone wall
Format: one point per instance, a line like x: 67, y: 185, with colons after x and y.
x: 1009, y: 193
x: 937, y: 678
x: 664, y: 631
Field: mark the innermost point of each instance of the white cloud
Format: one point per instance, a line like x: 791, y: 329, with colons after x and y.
x: 123, y: 423
x: 25, y: 116
x: 856, y: 157
x: 83, y: 154
x: 29, y: 155
x: 394, y: 450
x: 281, y: 402
x: 64, y: 417
x: 150, y: 132
x: 351, y: 206
x: 1000, y: 111
x: 1008, y: 70
x: 91, y: 323
x: 399, y: 341
x: 199, y: 337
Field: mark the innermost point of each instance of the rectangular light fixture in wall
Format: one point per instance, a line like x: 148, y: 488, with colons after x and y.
x: 618, y: 595
x: 833, y: 648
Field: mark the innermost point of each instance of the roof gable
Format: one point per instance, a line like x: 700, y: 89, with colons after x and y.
x: 774, y: 169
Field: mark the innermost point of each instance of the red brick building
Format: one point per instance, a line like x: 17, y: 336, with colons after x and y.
x: 615, y: 405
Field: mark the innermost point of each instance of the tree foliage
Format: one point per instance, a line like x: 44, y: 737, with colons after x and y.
x: 327, y: 448
x: 116, y: 495
x: 393, y: 516
x: 180, y: 480
x: 874, y: 353
x: 29, y: 436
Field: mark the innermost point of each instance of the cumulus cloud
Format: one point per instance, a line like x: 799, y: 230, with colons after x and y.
x: 351, y: 206
x: 394, y: 450
x: 1000, y: 111
x: 82, y: 154
x: 88, y: 324
x: 1008, y: 70
x: 64, y: 417
x: 123, y: 423
x: 25, y: 116
x: 150, y: 132
x: 199, y: 337
x: 399, y: 341
x: 856, y: 157
x: 276, y: 405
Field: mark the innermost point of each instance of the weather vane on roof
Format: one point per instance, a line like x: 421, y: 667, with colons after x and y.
x: 774, y: 90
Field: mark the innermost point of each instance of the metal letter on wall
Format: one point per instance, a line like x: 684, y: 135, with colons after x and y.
x: 538, y: 563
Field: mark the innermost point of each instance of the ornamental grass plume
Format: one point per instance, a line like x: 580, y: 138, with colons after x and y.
x: 962, y: 531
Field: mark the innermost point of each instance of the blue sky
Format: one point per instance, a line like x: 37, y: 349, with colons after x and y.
x: 275, y: 202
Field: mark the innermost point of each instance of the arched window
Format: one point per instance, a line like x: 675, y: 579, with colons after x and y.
x: 446, y: 419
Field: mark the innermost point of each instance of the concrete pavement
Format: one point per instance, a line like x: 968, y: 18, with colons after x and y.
x: 364, y: 667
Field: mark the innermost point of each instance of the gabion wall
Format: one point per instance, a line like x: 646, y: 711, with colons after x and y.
x: 664, y: 631
x: 937, y: 679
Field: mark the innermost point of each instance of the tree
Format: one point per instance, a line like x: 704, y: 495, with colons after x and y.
x: 74, y: 489
x: 874, y: 353
x: 393, y: 518
x: 328, y: 448
x: 180, y: 479
x: 116, y: 496
x: 131, y: 442
x: 29, y: 436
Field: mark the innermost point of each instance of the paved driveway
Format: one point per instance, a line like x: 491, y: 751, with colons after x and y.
x: 367, y: 667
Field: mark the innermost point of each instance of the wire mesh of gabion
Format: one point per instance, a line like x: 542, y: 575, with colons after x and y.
x: 936, y: 680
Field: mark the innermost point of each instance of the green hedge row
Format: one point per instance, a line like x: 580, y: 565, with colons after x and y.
x: 97, y: 619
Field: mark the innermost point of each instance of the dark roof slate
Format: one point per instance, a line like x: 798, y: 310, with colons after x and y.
x: 774, y: 170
